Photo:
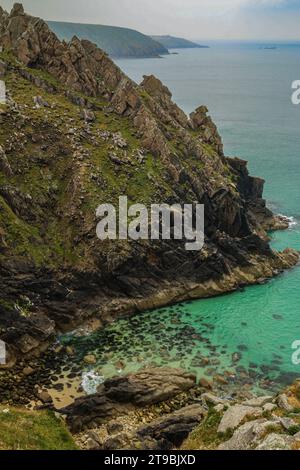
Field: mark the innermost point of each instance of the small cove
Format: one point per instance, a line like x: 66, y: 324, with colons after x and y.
x: 245, y: 337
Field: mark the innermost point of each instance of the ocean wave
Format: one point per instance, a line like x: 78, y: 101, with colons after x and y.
x: 91, y: 381
x: 292, y: 221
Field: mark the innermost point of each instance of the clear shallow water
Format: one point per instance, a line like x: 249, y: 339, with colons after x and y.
x: 247, y: 334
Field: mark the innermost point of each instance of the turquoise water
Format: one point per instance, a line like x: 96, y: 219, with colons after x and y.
x: 245, y: 336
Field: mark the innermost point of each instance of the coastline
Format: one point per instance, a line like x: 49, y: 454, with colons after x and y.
x: 79, y: 138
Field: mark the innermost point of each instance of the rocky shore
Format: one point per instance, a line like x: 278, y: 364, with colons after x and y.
x: 84, y: 134
x: 163, y: 409
x: 166, y: 409
x: 76, y: 132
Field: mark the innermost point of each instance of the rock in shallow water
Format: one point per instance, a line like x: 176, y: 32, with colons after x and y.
x: 90, y: 359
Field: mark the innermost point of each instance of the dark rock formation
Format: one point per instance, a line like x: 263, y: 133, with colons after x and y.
x: 121, y: 394
x: 164, y: 433
x: 149, y: 386
x: 171, y: 430
x: 4, y: 164
x: 57, y: 168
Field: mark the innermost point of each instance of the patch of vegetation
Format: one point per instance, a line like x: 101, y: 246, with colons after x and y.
x: 297, y: 391
x: 294, y: 430
x: 206, y: 436
x: 272, y: 428
x: 63, y: 172
x: 33, y: 430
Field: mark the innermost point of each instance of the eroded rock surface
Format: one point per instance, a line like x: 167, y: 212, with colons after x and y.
x: 277, y: 442
x: 121, y: 394
x: 233, y: 417
x: 170, y: 431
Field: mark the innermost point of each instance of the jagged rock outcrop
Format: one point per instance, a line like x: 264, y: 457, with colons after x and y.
x: 170, y: 431
x: 162, y: 104
x: 4, y: 164
x: 85, y: 68
x: 164, y: 433
x: 259, y: 423
x: 57, y: 168
x: 236, y: 414
x: 200, y: 121
x: 149, y: 386
x: 28, y: 335
x: 198, y: 420
x: 121, y: 394
x: 3, y: 68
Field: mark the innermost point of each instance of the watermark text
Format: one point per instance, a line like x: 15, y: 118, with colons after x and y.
x: 161, y: 222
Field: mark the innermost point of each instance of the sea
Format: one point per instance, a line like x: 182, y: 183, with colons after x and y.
x: 250, y: 337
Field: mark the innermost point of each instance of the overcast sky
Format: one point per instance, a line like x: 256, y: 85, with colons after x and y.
x: 195, y: 19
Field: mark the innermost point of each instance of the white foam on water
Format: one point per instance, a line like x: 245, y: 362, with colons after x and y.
x: 291, y: 220
x: 91, y: 381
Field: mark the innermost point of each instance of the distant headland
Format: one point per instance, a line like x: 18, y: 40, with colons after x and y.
x: 121, y: 42
x: 171, y: 42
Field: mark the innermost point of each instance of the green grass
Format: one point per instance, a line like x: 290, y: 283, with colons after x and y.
x: 33, y: 430
x: 41, y: 156
x: 206, y: 436
x: 294, y: 429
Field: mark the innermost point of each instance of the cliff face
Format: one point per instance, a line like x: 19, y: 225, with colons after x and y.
x: 75, y: 133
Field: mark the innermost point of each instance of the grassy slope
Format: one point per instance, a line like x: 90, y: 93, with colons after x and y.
x: 47, y: 175
x: 205, y: 436
x: 117, y: 42
x: 33, y: 430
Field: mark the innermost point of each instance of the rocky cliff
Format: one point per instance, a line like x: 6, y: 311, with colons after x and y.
x: 76, y: 132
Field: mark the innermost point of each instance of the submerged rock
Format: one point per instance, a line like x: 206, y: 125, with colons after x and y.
x: 236, y: 357
x: 90, y: 359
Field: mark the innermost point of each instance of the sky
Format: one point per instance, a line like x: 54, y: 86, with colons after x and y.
x: 194, y: 19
